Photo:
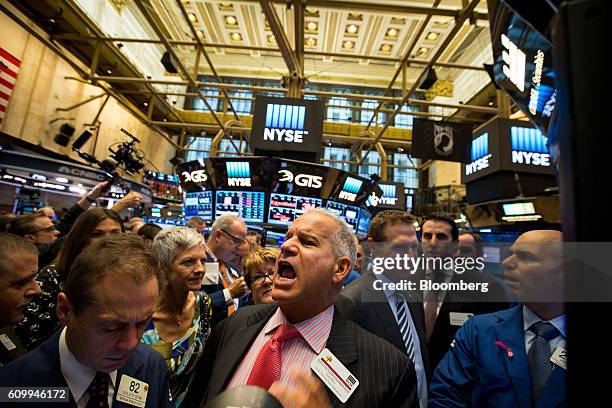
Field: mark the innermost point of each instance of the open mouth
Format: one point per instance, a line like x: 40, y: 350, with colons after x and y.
x: 286, y: 271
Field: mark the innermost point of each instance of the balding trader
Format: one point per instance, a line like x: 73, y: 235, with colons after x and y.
x: 515, y: 357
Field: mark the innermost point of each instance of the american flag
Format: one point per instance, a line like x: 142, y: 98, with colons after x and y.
x: 9, y: 68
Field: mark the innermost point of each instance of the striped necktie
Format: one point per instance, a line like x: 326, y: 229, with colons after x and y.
x: 539, y: 354
x: 404, y: 325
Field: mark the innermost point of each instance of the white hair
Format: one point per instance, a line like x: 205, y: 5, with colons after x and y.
x: 343, y: 240
x: 170, y: 241
x: 225, y: 222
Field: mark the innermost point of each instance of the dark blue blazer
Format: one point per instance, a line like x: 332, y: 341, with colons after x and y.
x: 41, y: 368
x: 477, y: 372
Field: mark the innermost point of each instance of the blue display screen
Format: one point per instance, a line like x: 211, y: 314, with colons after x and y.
x: 248, y: 205
x: 348, y: 212
x: 199, y: 204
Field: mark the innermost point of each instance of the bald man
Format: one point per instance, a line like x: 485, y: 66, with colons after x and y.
x: 515, y: 357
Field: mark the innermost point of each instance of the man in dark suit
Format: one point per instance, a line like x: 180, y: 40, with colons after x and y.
x: 394, y: 315
x: 263, y: 344
x: 445, y: 310
x: 108, y: 298
x: 515, y: 357
x: 18, y: 269
x: 228, y: 234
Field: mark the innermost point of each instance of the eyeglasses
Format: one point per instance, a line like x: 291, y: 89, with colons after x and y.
x: 260, y: 278
x: 237, y: 241
x: 46, y: 229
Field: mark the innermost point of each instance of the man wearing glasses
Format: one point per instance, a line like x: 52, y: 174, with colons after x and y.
x: 224, y: 285
x: 37, y: 229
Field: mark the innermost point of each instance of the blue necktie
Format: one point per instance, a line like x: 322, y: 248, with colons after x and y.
x: 404, y: 325
x: 539, y: 355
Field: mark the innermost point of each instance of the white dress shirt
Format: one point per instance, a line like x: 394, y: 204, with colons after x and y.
x: 79, y: 377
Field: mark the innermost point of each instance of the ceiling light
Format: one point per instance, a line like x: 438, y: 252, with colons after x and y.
x: 231, y: 20
x: 271, y: 38
x: 226, y: 5
x: 348, y: 45
x: 422, y: 51
x: 432, y: 36
x: 311, y: 42
x: 236, y: 37
x: 392, y: 32
x: 385, y: 47
x: 109, y: 71
x: 200, y: 33
x: 352, y: 29
x: 146, y: 104
x: 192, y: 18
x: 312, y: 26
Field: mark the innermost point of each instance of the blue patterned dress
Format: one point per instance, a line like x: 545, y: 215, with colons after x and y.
x: 183, y: 354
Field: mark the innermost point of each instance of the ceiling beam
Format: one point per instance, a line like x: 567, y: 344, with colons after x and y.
x: 281, y: 38
x: 451, y: 35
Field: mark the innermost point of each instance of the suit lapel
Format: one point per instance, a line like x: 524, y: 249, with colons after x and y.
x: 237, y: 346
x: 340, y: 343
x: 510, y: 332
x: 132, y: 368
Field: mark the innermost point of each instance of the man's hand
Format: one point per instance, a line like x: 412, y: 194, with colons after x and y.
x: 131, y: 200
x: 238, y: 288
x: 97, y: 191
x: 307, y: 392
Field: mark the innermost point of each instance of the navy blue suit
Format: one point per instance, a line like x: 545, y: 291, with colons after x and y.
x: 477, y: 372
x: 41, y: 368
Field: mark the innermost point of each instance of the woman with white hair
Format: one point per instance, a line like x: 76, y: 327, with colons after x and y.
x: 181, y: 324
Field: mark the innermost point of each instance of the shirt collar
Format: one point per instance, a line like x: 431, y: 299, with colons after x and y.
x: 78, y: 377
x: 390, y: 294
x: 315, y: 331
x: 530, y: 317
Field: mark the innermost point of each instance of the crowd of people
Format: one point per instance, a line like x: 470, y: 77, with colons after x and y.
x: 104, y: 307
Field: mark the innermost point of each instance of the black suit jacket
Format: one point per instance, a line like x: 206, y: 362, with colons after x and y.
x: 386, y: 376
x: 41, y: 368
x: 463, y: 302
x: 369, y: 308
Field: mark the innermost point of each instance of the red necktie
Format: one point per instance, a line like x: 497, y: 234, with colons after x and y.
x: 267, y: 367
x: 98, y: 391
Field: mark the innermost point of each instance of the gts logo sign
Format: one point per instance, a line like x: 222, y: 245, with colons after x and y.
x: 197, y: 176
x: 302, y: 180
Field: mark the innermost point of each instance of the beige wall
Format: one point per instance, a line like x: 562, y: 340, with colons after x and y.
x: 443, y: 173
x: 41, y: 88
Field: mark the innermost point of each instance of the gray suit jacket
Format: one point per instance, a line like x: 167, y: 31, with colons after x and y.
x: 386, y: 376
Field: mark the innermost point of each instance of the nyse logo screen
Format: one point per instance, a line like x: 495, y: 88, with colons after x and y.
x: 238, y: 174
x: 285, y: 123
x: 480, y: 155
x: 389, y: 196
x: 350, y: 189
x: 302, y: 180
x: 529, y: 147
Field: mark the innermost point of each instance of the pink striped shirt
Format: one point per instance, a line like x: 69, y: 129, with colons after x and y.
x: 295, y: 353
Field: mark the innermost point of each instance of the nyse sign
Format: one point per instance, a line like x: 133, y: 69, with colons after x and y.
x: 535, y: 159
x: 302, y: 180
x: 477, y: 165
x: 345, y: 195
x: 285, y: 135
x: 239, y: 182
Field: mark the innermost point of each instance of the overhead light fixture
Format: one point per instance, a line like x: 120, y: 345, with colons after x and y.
x: 231, y: 20
x: 348, y: 45
x: 432, y: 36
x: 423, y: 51
x: 311, y: 42
x: 271, y: 39
x: 200, y: 33
x: 236, y: 37
x: 352, y: 29
x: 312, y: 26
x: 392, y: 32
x: 192, y: 17
x: 146, y: 104
x: 61, y: 179
x: 226, y: 5
x: 386, y: 47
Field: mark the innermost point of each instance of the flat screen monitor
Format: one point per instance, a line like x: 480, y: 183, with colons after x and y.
x: 274, y: 239
x: 284, y: 208
x: 364, y: 223
x: 199, y: 204
x: 248, y: 205
x: 518, y: 208
x: 348, y: 212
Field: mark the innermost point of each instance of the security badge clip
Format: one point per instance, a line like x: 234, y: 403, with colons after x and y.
x: 506, y: 348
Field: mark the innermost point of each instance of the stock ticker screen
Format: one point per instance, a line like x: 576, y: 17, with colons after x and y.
x: 348, y: 212
x: 199, y: 204
x: 248, y: 205
x: 284, y: 209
